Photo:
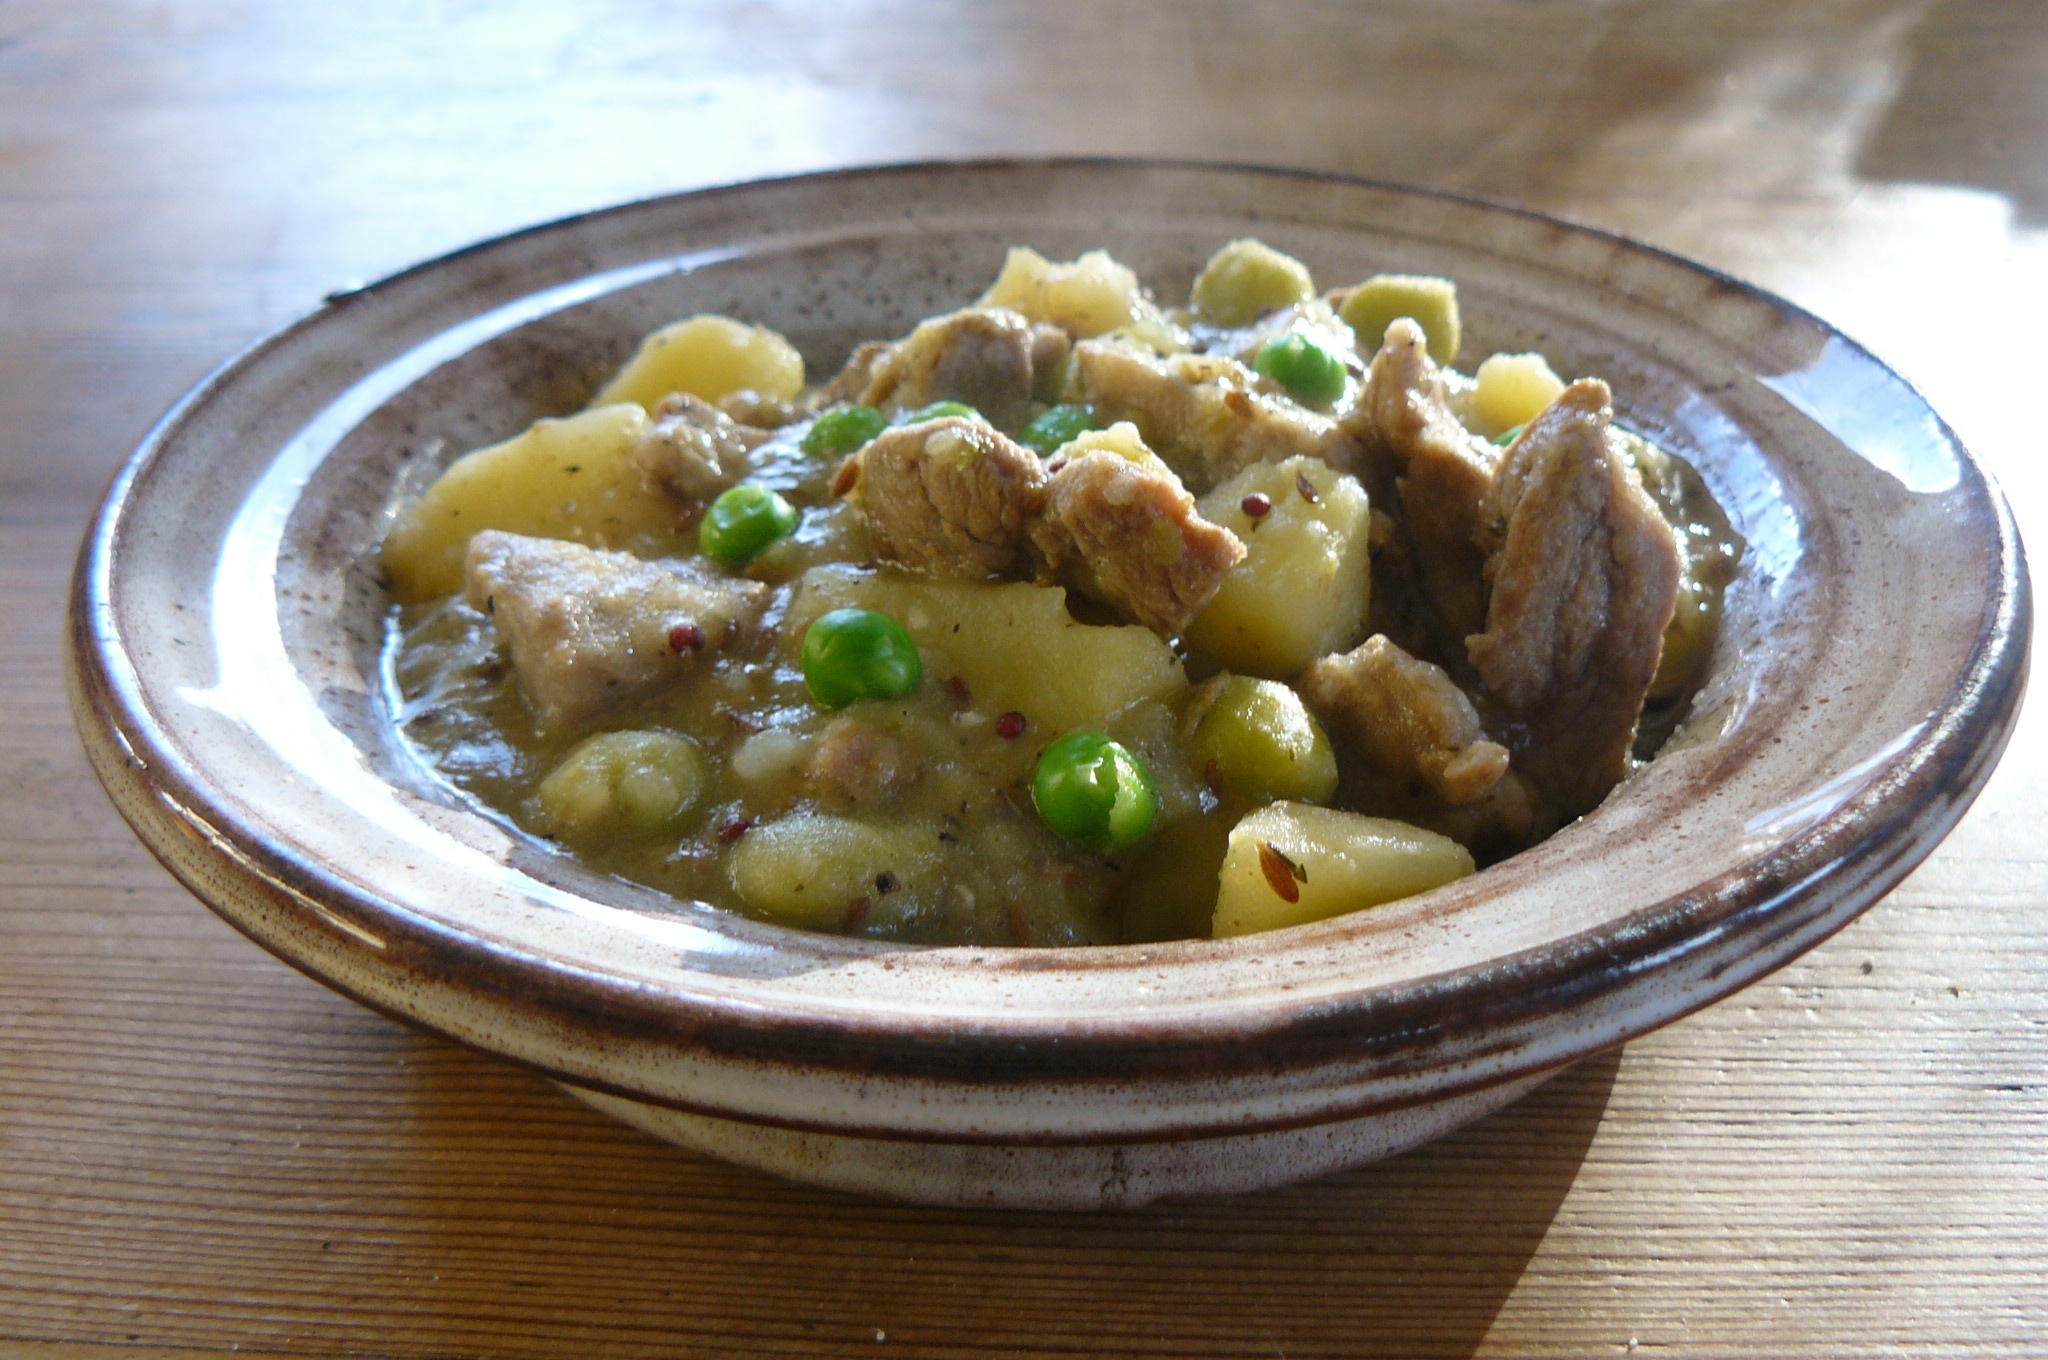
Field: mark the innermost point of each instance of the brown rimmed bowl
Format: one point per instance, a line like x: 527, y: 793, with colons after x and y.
x: 226, y: 627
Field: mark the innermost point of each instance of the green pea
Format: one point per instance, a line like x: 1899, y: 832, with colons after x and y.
x: 1511, y: 434
x: 744, y: 520
x: 1055, y: 427
x: 854, y: 654
x: 843, y: 430
x: 939, y: 410
x: 1093, y: 792
x: 1310, y: 373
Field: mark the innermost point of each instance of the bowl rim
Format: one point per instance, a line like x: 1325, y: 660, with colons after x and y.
x: 1884, y: 829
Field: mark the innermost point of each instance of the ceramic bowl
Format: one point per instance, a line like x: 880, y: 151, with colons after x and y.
x: 227, y: 629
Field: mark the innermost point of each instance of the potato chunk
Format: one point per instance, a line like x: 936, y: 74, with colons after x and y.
x: 1432, y: 303
x: 621, y: 782
x: 1302, y: 590
x: 572, y: 478
x: 1512, y: 390
x: 1290, y: 863
x: 1121, y: 439
x: 818, y: 871
x: 710, y: 357
x: 1092, y: 296
x: 1014, y: 645
x: 1246, y: 279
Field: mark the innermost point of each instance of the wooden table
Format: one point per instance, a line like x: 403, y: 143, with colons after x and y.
x: 201, y: 1150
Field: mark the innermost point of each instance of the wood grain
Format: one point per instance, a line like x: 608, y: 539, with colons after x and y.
x: 201, y: 1150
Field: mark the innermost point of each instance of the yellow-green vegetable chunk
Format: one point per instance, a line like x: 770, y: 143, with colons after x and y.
x: 810, y: 870
x: 1121, y: 439
x: 1256, y: 742
x: 1091, y: 296
x: 572, y: 478
x: 1290, y: 863
x: 1246, y: 279
x: 1512, y: 390
x: 1432, y: 303
x: 1015, y: 646
x: 709, y: 357
x: 621, y: 782
x: 1302, y: 590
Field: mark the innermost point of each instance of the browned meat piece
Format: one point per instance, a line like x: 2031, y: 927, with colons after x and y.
x: 952, y: 497
x: 1442, y: 470
x: 1504, y: 819
x: 1207, y: 416
x: 1406, y: 717
x: 1126, y: 532
x: 587, y: 629
x: 692, y: 450
x: 853, y: 378
x: 1584, y: 577
x: 857, y: 765
x: 984, y: 356
x: 1050, y: 347
x: 764, y: 413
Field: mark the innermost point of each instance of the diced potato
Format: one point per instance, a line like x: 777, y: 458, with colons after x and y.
x: 1257, y: 742
x: 1289, y: 863
x: 1170, y: 888
x: 1014, y: 645
x: 621, y: 782
x: 811, y: 869
x: 571, y: 478
x: 1246, y: 279
x: 1091, y: 296
x: 1512, y: 390
x: 1121, y: 439
x: 709, y: 357
x: 1306, y: 580
x: 1382, y: 299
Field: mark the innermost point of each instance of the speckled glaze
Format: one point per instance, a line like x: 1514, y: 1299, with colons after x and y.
x: 226, y: 626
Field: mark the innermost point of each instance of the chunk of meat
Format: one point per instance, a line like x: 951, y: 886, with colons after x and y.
x: 765, y: 413
x: 1406, y: 717
x: 691, y: 450
x: 853, y: 377
x: 1125, y: 531
x: 952, y: 497
x: 856, y: 765
x: 988, y: 357
x: 1050, y: 348
x: 587, y: 629
x: 1442, y: 472
x: 1206, y: 415
x: 1506, y: 818
x: 1584, y: 577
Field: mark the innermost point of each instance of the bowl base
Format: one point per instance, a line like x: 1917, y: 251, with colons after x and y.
x: 1084, y: 1176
